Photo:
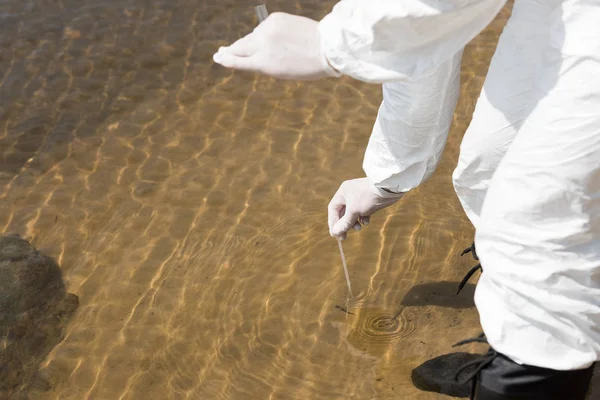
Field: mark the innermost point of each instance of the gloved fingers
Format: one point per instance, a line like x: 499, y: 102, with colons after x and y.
x: 335, y: 209
x: 365, y: 220
x: 357, y: 226
x: 230, y: 60
x: 345, y: 223
x: 244, y: 47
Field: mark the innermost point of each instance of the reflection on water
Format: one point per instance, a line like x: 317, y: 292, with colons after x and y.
x: 186, y: 205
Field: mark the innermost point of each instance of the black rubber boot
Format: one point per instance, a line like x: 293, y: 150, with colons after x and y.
x: 438, y: 374
x: 503, y: 379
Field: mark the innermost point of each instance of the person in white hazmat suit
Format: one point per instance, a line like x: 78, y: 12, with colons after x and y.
x: 528, y: 175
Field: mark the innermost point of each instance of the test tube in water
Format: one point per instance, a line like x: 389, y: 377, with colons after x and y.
x: 345, y: 267
x: 261, y: 13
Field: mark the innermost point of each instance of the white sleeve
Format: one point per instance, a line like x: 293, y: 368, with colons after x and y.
x: 414, y: 48
x: 390, y: 40
x: 412, y: 126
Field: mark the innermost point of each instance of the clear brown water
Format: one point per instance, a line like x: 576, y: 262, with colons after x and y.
x: 186, y: 205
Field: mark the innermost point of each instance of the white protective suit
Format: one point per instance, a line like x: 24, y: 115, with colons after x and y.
x: 529, y: 170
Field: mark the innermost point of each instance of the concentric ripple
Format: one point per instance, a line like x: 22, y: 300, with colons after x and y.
x: 386, y: 327
x: 358, y: 301
x: 186, y: 206
x: 376, y: 330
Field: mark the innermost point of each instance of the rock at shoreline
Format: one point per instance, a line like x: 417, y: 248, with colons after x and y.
x: 34, y: 308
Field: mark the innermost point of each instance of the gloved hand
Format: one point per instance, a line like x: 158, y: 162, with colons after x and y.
x: 353, y: 204
x: 283, y: 46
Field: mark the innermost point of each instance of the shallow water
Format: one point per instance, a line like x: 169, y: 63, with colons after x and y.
x: 186, y: 205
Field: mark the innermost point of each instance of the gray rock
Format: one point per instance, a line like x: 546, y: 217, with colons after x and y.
x: 34, y: 308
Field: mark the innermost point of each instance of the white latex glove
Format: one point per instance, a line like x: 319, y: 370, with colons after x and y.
x: 283, y: 46
x: 353, y: 204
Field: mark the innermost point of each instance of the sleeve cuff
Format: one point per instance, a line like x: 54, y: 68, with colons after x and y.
x: 328, y: 68
x: 386, y: 193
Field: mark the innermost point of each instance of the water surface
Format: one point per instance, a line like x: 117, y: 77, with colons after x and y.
x: 186, y: 205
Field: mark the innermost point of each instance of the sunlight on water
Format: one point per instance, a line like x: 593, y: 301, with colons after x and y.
x: 186, y: 205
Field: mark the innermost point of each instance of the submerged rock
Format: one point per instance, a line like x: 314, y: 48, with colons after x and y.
x: 34, y: 308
